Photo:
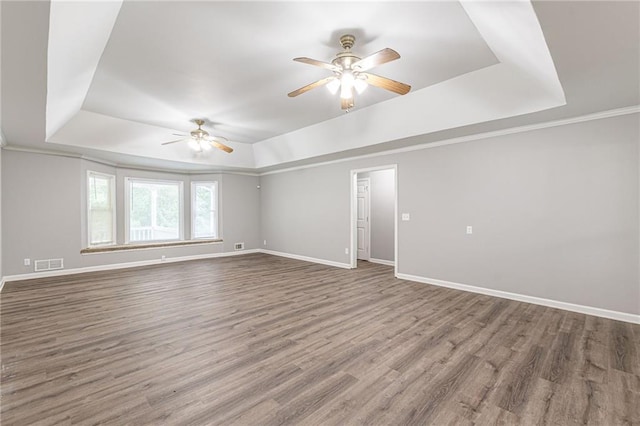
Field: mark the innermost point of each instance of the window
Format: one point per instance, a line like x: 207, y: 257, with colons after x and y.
x: 204, y: 210
x: 153, y: 210
x: 101, y: 211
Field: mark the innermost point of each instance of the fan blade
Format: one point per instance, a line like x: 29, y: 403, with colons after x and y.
x: 310, y: 86
x: 387, y: 83
x: 317, y: 63
x: 170, y: 142
x: 378, y: 58
x: 221, y: 146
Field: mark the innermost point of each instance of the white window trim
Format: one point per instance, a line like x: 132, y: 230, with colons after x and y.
x: 112, y: 178
x: 193, y: 210
x: 127, y: 204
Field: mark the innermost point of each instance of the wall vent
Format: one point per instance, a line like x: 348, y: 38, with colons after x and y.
x: 238, y: 246
x: 48, y: 264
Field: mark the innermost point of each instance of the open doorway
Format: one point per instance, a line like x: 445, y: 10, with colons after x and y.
x: 374, y: 214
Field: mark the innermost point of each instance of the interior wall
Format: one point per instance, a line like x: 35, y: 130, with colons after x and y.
x: 240, y: 211
x: 44, y: 212
x: 382, y: 200
x: 1, y: 214
x: 306, y: 213
x: 554, y: 212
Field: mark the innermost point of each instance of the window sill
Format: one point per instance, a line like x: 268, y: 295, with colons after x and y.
x: 140, y: 246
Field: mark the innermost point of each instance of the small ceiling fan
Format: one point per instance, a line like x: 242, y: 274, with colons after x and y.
x: 199, y: 140
x: 349, y: 73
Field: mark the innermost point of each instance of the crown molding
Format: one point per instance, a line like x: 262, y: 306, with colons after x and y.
x: 634, y: 109
x: 123, y: 165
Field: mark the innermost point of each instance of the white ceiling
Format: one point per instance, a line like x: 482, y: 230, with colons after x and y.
x: 167, y: 63
x: 113, y: 80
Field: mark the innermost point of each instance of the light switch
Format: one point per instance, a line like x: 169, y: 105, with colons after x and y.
x: 406, y: 216
x: 469, y: 229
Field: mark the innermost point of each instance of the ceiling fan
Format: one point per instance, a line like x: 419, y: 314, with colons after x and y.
x: 199, y: 140
x: 349, y: 73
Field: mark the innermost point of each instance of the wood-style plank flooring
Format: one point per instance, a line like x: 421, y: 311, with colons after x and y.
x: 263, y: 340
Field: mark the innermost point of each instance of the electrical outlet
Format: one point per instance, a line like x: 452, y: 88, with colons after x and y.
x: 346, y: 250
x: 469, y: 229
x: 163, y: 258
x: 27, y: 262
x: 264, y: 243
x: 406, y: 216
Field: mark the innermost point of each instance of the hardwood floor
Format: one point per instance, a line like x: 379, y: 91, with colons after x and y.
x: 258, y: 339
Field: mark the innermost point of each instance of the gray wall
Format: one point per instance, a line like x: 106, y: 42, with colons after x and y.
x: 44, y: 212
x: 554, y: 212
x: 306, y: 216
x: 1, y: 275
x: 382, y: 200
x: 240, y: 211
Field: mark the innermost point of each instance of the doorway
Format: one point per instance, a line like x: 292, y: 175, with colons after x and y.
x: 374, y: 215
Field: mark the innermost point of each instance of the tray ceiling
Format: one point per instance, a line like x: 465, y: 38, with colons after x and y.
x: 115, y: 79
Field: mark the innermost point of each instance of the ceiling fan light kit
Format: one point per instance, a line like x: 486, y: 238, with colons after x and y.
x: 349, y: 74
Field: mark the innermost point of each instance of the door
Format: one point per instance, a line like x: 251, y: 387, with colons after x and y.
x: 362, y: 218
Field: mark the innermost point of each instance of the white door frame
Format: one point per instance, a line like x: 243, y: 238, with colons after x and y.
x: 353, y: 182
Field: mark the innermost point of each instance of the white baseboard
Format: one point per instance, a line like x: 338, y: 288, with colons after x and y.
x: 111, y: 266
x: 306, y: 258
x: 589, y: 310
x: 382, y: 261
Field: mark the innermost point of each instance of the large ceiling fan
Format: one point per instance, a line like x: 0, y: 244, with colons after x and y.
x: 199, y: 140
x: 349, y: 73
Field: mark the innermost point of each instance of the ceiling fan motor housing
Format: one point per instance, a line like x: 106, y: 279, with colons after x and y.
x: 347, y: 41
x: 345, y: 59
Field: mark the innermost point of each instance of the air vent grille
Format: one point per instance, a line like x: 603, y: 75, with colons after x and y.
x: 48, y: 264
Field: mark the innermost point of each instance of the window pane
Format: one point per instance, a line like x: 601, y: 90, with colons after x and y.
x: 205, y: 219
x: 140, y: 206
x: 154, y: 211
x: 168, y: 206
x: 101, y: 209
